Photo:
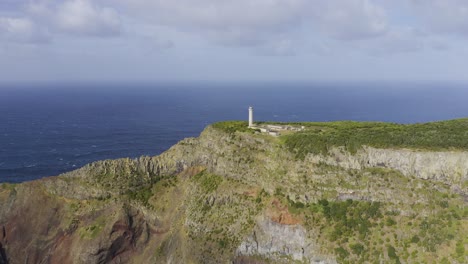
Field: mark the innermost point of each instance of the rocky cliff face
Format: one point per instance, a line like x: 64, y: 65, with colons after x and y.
x: 444, y: 166
x: 281, y: 242
x: 243, y: 198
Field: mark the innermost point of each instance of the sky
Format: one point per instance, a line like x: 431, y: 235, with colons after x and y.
x: 233, y: 40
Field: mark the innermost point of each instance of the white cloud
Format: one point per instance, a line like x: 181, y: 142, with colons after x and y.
x: 280, y: 47
x: 349, y: 19
x: 82, y: 17
x: 241, y: 22
x: 397, y: 40
x: 269, y: 25
x: 439, y: 45
x: 76, y: 17
x: 21, y: 30
x: 444, y: 16
x: 152, y: 43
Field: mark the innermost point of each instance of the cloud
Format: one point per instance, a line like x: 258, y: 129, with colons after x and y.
x: 443, y: 16
x: 76, y: 17
x: 398, y: 40
x: 82, y: 17
x: 439, y: 45
x: 280, y: 47
x: 152, y: 42
x: 240, y: 23
x: 21, y: 30
x: 349, y: 19
x: 268, y: 25
x: 7, y: 6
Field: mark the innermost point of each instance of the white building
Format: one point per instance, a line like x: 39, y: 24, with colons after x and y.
x: 270, y: 129
x: 250, y: 116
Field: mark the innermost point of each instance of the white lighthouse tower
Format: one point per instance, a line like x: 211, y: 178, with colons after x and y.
x: 250, y: 116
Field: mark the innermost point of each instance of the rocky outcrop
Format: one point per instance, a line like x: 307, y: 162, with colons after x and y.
x: 450, y: 167
x: 281, y: 243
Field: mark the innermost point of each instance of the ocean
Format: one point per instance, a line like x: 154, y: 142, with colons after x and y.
x: 48, y: 129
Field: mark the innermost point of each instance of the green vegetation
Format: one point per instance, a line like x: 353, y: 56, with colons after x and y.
x: 8, y: 186
x: 233, y: 126
x: 208, y: 182
x: 93, y: 230
x: 422, y: 222
x: 318, y: 138
x: 348, y: 218
x: 359, y: 232
x: 460, y: 248
x: 142, y: 195
x: 392, y: 254
x: 226, y: 213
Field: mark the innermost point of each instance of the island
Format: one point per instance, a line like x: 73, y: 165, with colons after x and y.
x: 321, y: 192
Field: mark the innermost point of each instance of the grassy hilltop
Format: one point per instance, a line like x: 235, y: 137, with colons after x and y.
x: 319, y: 137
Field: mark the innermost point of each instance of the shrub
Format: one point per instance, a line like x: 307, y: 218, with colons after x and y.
x: 415, y: 239
x: 392, y: 254
x: 208, y: 182
x: 390, y: 222
x: 142, y: 195
x: 233, y: 126
x: 357, y: 248
x: 320, y: 137
x: 460, y: 248
x: 341, y: 252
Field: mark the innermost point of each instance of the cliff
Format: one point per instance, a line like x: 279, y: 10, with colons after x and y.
x: 234, y: 196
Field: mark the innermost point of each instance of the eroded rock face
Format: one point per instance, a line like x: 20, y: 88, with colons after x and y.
x: 36, y: 227
x: 445, y: 166
x: 281, y: 242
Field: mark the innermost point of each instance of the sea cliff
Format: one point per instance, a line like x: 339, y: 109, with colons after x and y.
x: 234, y: 195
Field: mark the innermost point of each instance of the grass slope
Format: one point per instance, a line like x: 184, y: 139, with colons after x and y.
x: 319, y: 137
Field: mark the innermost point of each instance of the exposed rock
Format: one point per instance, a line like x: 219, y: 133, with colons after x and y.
x: 281, y: 243
x: 280, y: 214
x: 450, y: 167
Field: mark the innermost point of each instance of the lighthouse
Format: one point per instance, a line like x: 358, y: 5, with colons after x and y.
x: 250, y: 116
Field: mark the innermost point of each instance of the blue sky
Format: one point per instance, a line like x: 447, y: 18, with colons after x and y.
x: 225, y: 40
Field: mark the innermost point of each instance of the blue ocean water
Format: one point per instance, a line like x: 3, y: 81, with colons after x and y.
x: 49, y: 129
